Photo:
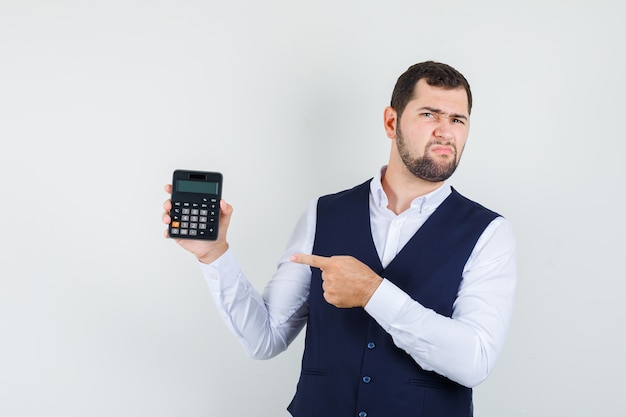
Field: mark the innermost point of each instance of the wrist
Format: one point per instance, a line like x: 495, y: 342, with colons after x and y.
x: 374, y: 286
x: 213, y: 254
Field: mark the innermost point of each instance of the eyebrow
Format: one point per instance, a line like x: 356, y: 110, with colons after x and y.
x: 440, y: 112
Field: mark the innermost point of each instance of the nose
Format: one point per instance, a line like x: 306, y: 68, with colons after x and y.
x: 444, y: 131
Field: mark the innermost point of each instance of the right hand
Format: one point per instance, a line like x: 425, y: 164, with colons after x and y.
x: 206, y: 251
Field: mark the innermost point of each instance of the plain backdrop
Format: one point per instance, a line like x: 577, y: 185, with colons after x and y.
x: 101, y: 100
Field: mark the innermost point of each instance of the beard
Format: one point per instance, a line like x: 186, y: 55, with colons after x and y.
x: 426, y: 167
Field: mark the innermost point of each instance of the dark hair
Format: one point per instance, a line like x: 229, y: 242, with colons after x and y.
x: 436, y: 74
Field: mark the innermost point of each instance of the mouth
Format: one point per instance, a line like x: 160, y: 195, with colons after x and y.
x: 443, y: 150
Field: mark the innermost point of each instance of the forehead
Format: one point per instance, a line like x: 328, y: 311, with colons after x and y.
x: 448, y: 100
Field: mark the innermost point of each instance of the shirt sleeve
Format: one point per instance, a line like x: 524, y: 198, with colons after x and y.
x: 463, y: 347
x: 265, y: 323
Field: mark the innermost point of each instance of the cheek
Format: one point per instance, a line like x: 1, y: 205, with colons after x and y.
x: 417, y: 134
x: 460, y: 145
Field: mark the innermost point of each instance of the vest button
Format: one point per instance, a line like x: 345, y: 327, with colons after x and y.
x: 362, y: 414
x: 367, y: 379
x: 371, y: 345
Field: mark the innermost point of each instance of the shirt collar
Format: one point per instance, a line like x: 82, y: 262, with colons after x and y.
x: 424, y: 204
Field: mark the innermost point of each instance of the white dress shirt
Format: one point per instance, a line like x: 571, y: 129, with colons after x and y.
x: 463, y: 347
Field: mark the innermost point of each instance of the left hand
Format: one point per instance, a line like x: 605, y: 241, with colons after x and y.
x: 347, y: 282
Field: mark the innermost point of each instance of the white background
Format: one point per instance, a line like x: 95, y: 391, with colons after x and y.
x: 101, y: 100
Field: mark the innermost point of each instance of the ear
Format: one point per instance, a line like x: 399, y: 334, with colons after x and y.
x: 390, y: 120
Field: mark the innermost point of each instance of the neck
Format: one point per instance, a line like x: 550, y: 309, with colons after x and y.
x: 402, y: 187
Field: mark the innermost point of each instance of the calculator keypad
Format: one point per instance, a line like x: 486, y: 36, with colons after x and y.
x: 196, y: 220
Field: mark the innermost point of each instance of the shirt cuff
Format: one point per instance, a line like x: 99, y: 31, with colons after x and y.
x: 386, y: 302
x: 222, y: 271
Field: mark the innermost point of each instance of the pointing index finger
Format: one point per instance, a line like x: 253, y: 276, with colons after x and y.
x: 311, y: 260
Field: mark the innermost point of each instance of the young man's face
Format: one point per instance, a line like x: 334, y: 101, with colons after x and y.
x: 432, y: 130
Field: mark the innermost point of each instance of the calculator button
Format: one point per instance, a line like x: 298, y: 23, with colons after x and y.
x: 195, y: 219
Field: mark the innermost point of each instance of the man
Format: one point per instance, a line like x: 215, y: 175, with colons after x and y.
x: 405, y: 286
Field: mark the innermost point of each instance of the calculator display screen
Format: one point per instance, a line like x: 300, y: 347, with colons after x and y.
x: 197, y: 187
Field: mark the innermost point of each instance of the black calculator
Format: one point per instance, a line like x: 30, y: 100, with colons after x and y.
x: 195, y: 209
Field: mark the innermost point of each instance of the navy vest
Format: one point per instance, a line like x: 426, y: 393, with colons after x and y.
x: 350, y: 366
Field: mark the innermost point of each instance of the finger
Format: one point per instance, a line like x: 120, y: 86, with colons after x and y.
x: 167, y: 205
x: 311, y: 260
x: 168, y: 188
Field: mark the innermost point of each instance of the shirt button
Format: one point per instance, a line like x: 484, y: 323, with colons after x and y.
x: 371, y: 345
x: 367, y: 379
x: 362, y: 414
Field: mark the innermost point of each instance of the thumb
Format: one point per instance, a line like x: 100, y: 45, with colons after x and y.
x: 226, y: 211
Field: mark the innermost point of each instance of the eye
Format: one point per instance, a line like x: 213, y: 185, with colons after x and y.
x: 427, y: 115
x: 458, y: 121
